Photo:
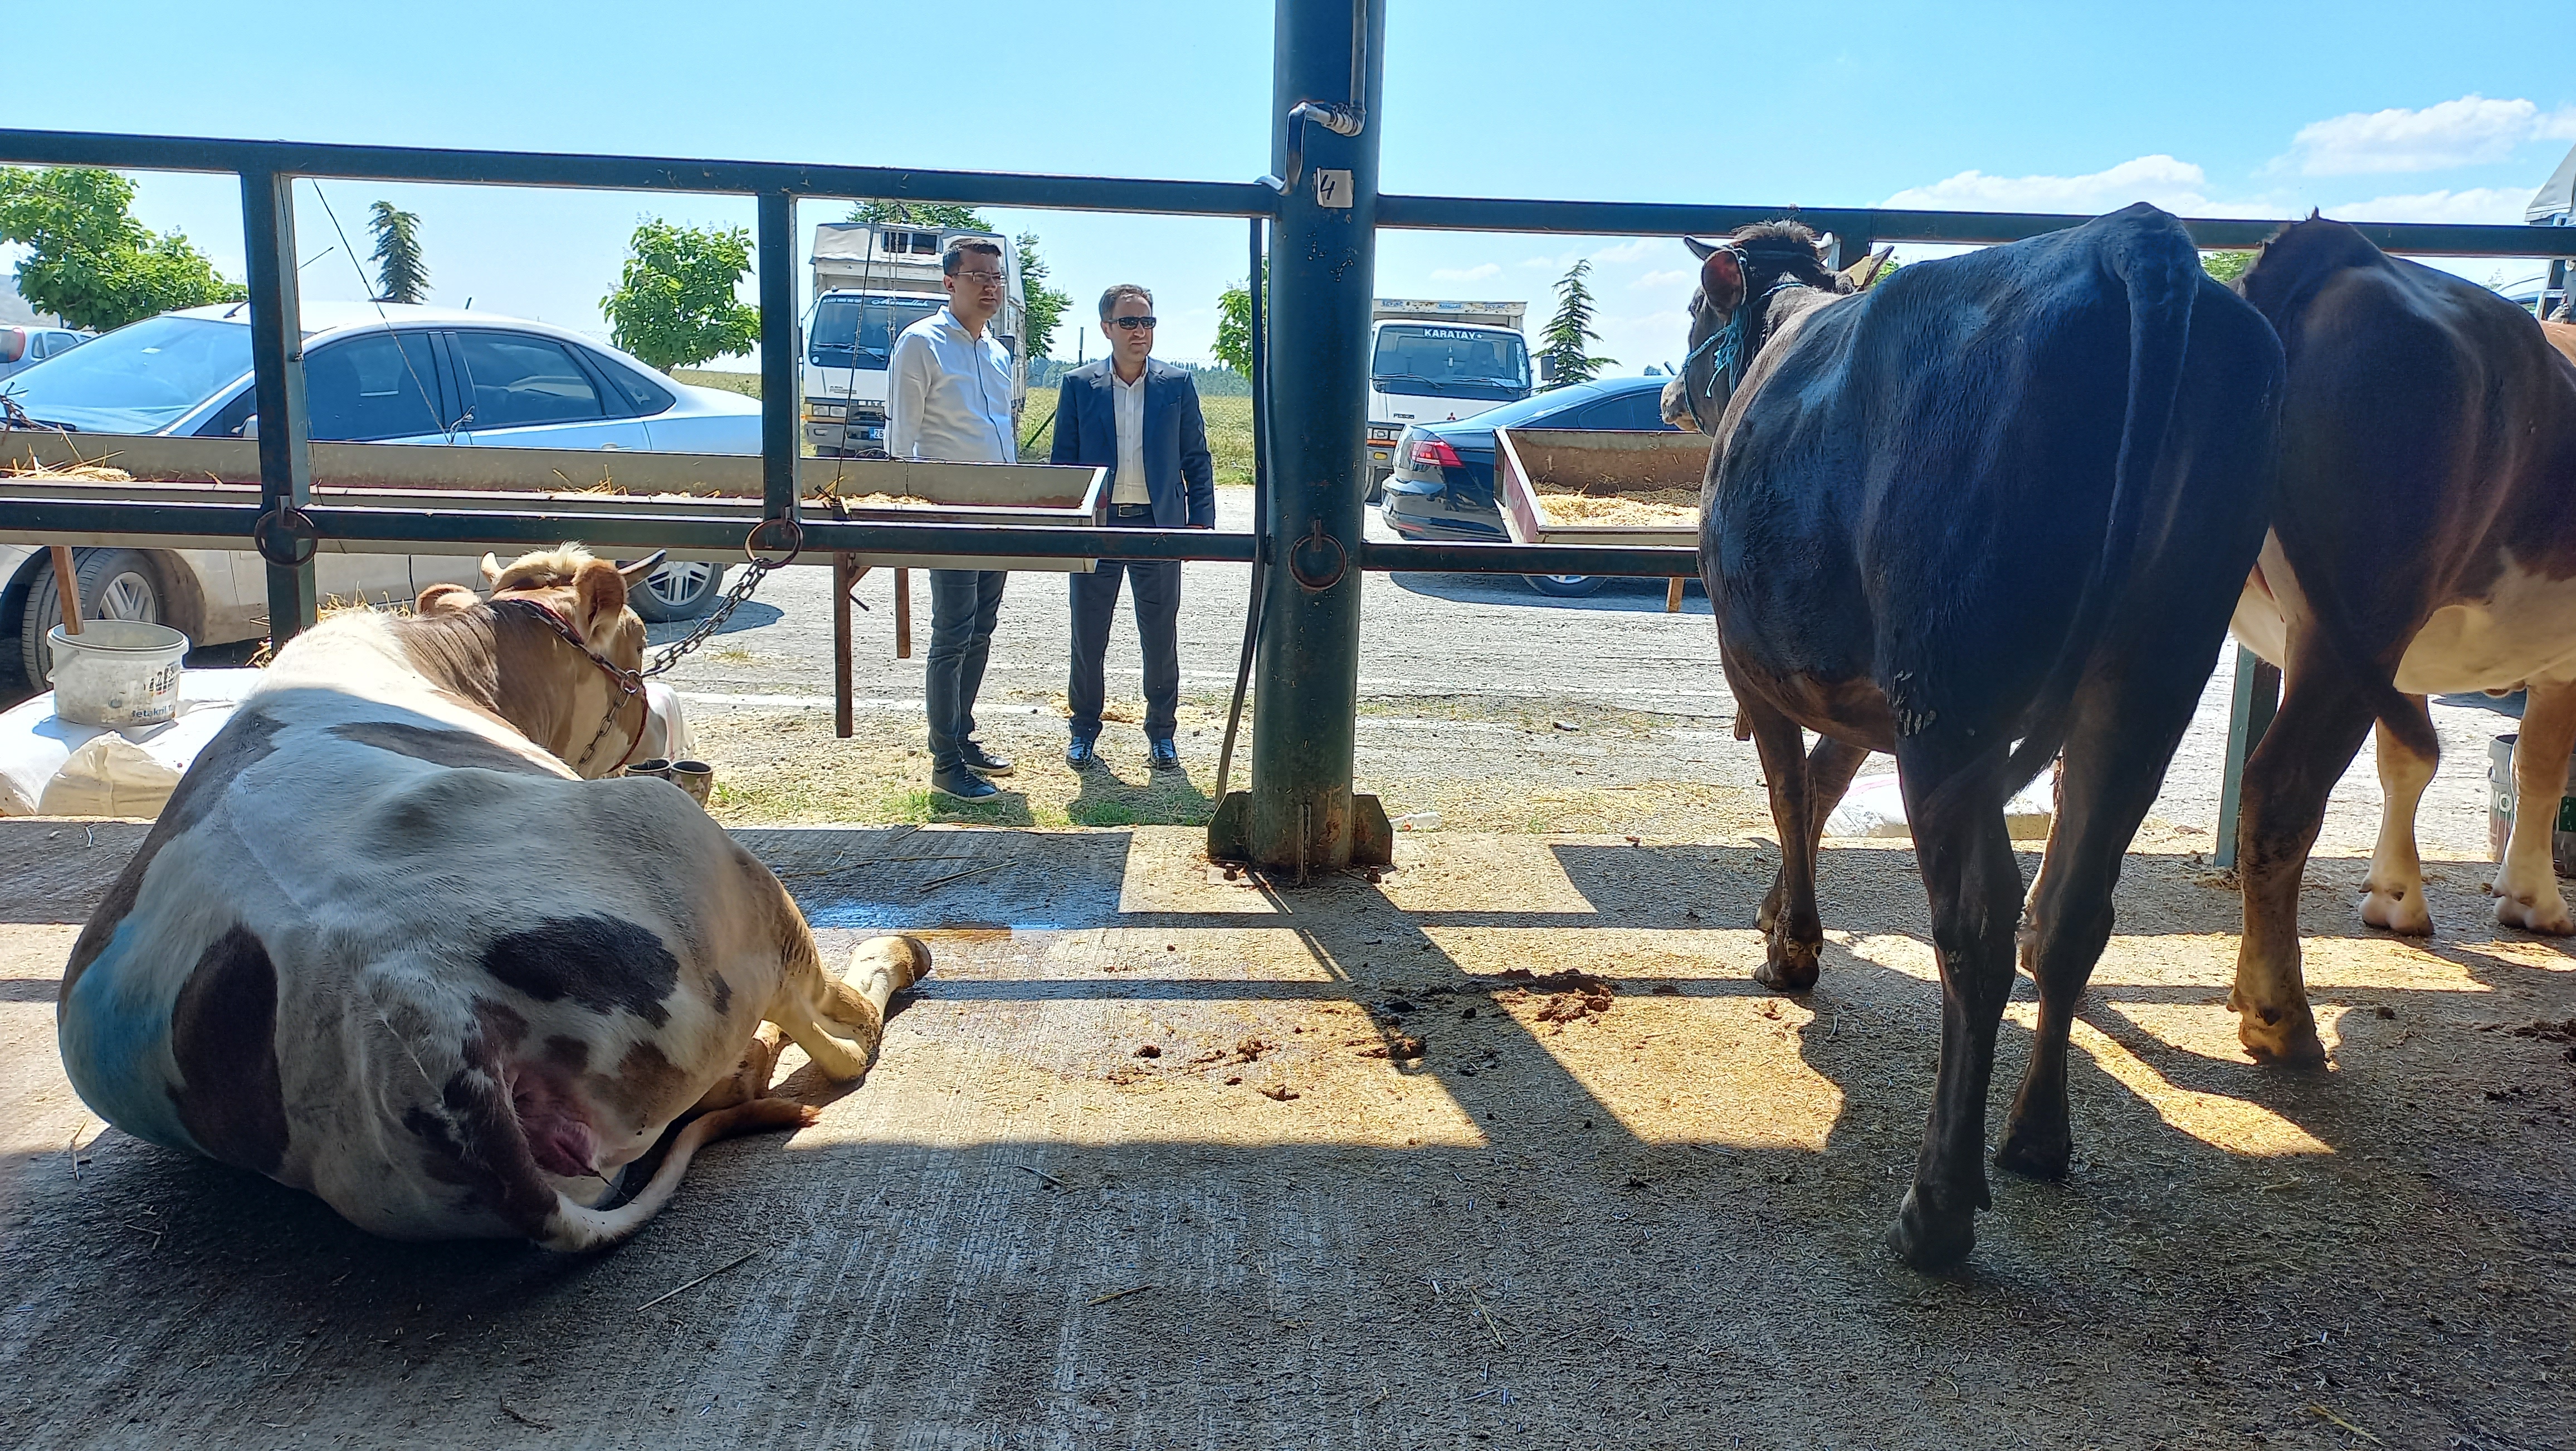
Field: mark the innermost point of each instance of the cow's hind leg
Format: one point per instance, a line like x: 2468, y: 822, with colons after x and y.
x: 1954, y: 798
x: 820, y: 1011
x: 2122, y: 739
x: 2527, y: 894
x: 2322, y: 721
x: 1830, y: 768
x: 750, y: 1077
x: 2393, y: 894
x: 1793, y: 935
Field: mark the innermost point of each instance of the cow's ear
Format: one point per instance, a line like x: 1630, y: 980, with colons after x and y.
x: 1721, y: 280
x: 598, y: 601
x: 1699, y: 248
x: 491, y: 571
x: 1868, y: 269
x: 445, y: 599
x: 636, y: 572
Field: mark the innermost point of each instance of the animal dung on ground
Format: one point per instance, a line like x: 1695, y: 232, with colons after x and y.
x: 1148, y: 1050
x: 1278, y: 1092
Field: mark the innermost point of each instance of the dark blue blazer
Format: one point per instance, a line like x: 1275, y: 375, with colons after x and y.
x: 1179, y: 473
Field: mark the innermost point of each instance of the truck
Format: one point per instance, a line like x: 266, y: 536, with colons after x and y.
x: 1436, y: 362
x: 870, y: 281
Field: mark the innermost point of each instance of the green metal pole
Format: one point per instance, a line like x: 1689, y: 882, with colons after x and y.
x: 2253, y: 701
x: 277, y: 362
x: 775, y: 266
x: 1302, y: 817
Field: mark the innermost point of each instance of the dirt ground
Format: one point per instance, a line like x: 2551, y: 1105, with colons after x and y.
x: 1149, y: 1162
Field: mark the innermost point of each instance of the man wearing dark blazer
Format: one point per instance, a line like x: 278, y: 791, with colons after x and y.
x: 1140, y: 420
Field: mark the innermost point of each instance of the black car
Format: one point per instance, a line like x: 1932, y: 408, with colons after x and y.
x: 1443, y: 484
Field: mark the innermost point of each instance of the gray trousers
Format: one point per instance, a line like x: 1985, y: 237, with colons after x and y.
x: 964, y: 603
x: 1156, y: 585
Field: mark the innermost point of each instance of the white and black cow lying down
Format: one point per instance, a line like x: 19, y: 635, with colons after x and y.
x: 1997, y: 504
x: 2424, y: 541
x: 385, y: 946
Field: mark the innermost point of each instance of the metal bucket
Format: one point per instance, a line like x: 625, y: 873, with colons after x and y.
x: 116, y: 673
x: 2500, y: 803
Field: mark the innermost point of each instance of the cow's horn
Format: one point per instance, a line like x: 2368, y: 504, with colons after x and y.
x: 635, y: 572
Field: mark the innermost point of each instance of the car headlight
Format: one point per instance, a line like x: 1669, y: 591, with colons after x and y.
x: 826, y: 412
x: 1384, y: 432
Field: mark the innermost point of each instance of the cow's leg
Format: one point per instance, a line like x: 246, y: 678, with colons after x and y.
x: 2322, y: 722
x: 2393, y: 895
x: 1830, y: 768
x: 2527, y: 894
x: 1955, y: 803
x: 820, y: 1011
x: 1793, y: 935
x: 750, y: 1077
x: 2122, y: 739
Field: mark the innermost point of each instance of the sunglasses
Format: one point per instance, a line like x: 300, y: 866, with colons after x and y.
x: 1131, y: 324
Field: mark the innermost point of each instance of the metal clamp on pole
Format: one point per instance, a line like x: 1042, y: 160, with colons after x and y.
x: 1318, y: 578
x: 1346, y: 119
x: 286, y: 537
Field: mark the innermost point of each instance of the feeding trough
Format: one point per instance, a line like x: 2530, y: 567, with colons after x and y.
x: 1595, y: 486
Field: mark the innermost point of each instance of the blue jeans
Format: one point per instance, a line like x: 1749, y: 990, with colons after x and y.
x: 963, y: 606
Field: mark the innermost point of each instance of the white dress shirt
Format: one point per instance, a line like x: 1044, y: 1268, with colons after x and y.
x: 1129, y: 486
x: 948, y: 395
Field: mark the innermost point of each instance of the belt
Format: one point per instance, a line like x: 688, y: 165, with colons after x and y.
x: 1130, y: 511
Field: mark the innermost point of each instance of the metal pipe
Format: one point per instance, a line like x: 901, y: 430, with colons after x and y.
x: 779, y: 439
x: 1255, y: 292
x: 277, y: 365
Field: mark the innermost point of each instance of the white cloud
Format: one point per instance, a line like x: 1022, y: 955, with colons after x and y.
x: 1678, y: 276
x: 1477, y: 273
x: 2176, y: 186
x: 2499, y: 205
x: 2469, y: 131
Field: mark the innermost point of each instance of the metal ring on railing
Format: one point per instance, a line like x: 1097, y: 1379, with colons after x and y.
x: 1318, y: 580
x: 794, y: 546
x: 286, y: 537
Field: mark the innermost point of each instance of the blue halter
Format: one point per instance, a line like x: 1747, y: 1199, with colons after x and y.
x: 1726, y: 345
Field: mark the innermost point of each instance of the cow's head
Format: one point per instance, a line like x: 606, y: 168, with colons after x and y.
x: 565, y: 653
x: 1737, y: 279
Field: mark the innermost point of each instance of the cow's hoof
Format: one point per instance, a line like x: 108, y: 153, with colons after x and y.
x: 2546, y: 915
x: 1787, y: 966
x: 2035, y: 1152
x: 2398, y: 909
x: 1769, y: 914
x: 917, y: 953
x: 2286, y: 1038
x: 1930, y: 1240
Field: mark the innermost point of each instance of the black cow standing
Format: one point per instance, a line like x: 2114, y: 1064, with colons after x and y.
x: 1999, y: 505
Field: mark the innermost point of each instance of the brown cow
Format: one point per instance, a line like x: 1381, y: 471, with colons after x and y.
x: 2423, y: 541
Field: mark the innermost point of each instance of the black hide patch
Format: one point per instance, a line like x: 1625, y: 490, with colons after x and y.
x: 223, y: 1031
x: 244, y: 741
x: 600, y: 962
x: 439, y: 747
x: 723, y: 991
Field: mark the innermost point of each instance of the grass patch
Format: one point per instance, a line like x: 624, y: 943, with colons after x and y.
x: 746, y: 384
x: 1229, y: 431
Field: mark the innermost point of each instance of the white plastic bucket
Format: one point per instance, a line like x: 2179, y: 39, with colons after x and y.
x: 116, y: 673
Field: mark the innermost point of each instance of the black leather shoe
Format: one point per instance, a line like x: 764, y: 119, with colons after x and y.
x: 983, y: 762
x: 964, y: 785
x: 1080, y: 754
x: 1166, y: 756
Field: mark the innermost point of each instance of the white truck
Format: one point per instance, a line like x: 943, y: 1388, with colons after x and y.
x: 1433, y: 362
x: 872, y: 280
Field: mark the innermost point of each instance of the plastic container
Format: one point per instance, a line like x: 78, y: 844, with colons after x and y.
x: 116, y: 673
x: 2501, y: 795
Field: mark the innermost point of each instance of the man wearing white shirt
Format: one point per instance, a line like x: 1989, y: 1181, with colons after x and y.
x: 1141, y: 419
x: 949, y: 398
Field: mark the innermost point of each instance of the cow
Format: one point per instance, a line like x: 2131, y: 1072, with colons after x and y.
x: 394, y: 942
x: 1994, y: 506
x: 2424, y: 542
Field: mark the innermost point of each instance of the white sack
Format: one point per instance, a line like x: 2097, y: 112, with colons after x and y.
x: 1875, y: 807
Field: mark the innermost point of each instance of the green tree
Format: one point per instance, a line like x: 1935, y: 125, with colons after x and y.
x: 401, y: 275
x: 89, y: 261
x: 1566, y: 343
x: 2228, y: 267
x: 1045, y: 305
x: 1234, y: 324
x: 944, y: 216
x: 675, y: 304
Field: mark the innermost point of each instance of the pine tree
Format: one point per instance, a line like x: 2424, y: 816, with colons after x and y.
x: 401, y: 275
x: 1566, y: 342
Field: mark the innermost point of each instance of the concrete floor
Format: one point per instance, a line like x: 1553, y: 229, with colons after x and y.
x: 1650, y: 1224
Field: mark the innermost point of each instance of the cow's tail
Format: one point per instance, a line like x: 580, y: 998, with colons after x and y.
x: 576, y: 1227
x: 2160, y: 270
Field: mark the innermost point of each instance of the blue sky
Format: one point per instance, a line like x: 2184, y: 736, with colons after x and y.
x: 2370, y: 111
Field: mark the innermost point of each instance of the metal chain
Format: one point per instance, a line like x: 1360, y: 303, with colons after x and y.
x: 678, y: 650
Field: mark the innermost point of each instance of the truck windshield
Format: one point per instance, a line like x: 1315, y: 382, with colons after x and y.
x: 859, y: 332
x: 137, y: 379
x: 1451, y: 362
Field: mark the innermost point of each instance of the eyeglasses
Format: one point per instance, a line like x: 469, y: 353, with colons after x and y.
x: 1131, y: 324
x: 980, y: 279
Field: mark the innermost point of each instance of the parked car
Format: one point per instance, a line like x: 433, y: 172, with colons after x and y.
x: 1443, y: 484
x: 405, y: 374
x: 23, y: 347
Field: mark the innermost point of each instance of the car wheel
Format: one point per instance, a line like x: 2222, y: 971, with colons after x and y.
x: 1377, y: 485
x: 115, y: 584
x: 1564, y: 586
x: 681, y: 590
